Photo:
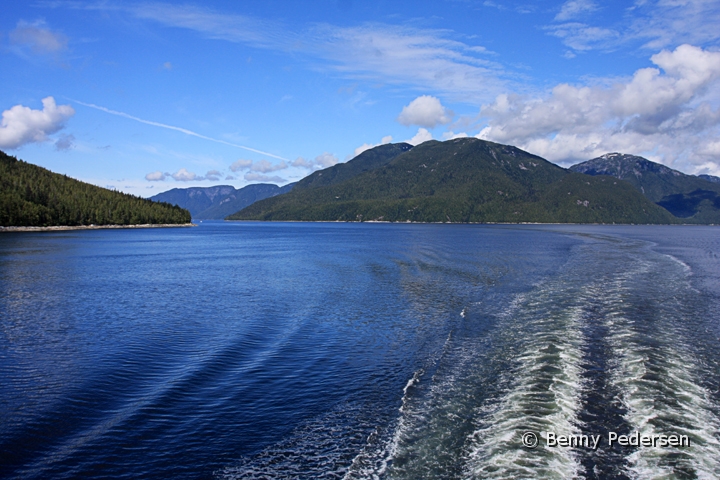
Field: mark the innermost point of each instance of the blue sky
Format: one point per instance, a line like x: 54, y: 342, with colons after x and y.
x: 148, y: 96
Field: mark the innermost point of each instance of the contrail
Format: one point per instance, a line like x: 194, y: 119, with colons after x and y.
x: 178, y: 129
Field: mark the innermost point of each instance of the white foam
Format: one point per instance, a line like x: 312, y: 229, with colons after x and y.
x: 546, y: 382
x: 660, y: 389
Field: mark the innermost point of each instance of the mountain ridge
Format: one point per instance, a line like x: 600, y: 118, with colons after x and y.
x: 689, y: 197
x: 464, y: 180
x: 219, y: 201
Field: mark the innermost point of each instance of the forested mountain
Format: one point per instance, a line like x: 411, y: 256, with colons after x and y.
x: 34, y: 196
x: 461, y: 180
x: 693, y: 198
x: 216, y: 203
x: 366, y: 161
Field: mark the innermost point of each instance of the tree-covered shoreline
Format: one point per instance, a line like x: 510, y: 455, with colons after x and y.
x: 34, y: 196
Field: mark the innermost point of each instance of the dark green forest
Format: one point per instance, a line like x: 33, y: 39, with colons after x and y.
x: 34, y: 196
x: 461, y: 180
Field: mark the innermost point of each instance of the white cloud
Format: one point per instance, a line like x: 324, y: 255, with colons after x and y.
x: 582, y: 37
x: 394, y: 54
x: 574, y: 8
x: 263, y: 166
x: 21, y: 125
x: 657, y: 23
x: 301, y: 162
x: 155, y: 176
x: 671, y: 22
x: 241, y: 164
x: 326, y: 160
x: 425, y: 111
x: 421, y: 136
x: 234, y: 28
x: 453, y: 135
x: 259, y: 177
x: 321, y: 161
x: 367, y: 146
x: 668, y: 114
x: 362, y: 148
x: 213, y: 175
x: 183, y: 175
x: 37, y: 37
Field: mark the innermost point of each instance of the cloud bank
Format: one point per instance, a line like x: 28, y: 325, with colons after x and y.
x: 670, y: 113
x: 183, y: 175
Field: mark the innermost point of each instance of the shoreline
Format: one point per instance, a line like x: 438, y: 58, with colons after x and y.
x: 409, y: 222
x: 61, y: 228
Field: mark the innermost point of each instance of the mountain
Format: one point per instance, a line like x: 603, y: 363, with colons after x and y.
x: 690, y: 197
x: 366, y: 161
x: 34, y: 196
x: 460, y: 180
x: 710, y: 178
x: 216, y: 203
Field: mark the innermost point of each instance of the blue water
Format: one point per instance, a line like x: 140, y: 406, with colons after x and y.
x: 291, y: 350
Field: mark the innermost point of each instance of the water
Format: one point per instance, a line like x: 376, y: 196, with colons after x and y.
x: 255, y: 350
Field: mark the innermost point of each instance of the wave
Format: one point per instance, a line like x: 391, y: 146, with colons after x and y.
x: 658, y: 375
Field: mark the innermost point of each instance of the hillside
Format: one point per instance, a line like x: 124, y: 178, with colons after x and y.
x: 463, y: 180
x: 366, y: 161
x: 34, y: 196
x: 692, y: 198
x: 710, y: 178
x: 216, y: 203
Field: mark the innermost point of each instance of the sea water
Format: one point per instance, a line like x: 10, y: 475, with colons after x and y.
x: 295, y: 350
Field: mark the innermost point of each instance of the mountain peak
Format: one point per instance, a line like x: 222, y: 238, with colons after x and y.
x: 623, y: 166
x: 682, y: 195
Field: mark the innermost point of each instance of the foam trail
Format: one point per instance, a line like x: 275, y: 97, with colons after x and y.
x: 658, y: 377
x: 545, y: 388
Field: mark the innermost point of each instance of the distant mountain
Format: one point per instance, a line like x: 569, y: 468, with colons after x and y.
x: 216, y: 203
x: 461, y: 180
x: 710, y: 178
x: 33, y: 196
x: 689, y: 197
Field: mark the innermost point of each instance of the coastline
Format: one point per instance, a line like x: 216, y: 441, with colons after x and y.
x: 412, y: 222
x: 59, y: 228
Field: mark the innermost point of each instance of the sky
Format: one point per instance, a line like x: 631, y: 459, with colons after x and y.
x: 144, y: 97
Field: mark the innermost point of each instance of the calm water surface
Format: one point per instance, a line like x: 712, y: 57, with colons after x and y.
x: 254, y: 350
